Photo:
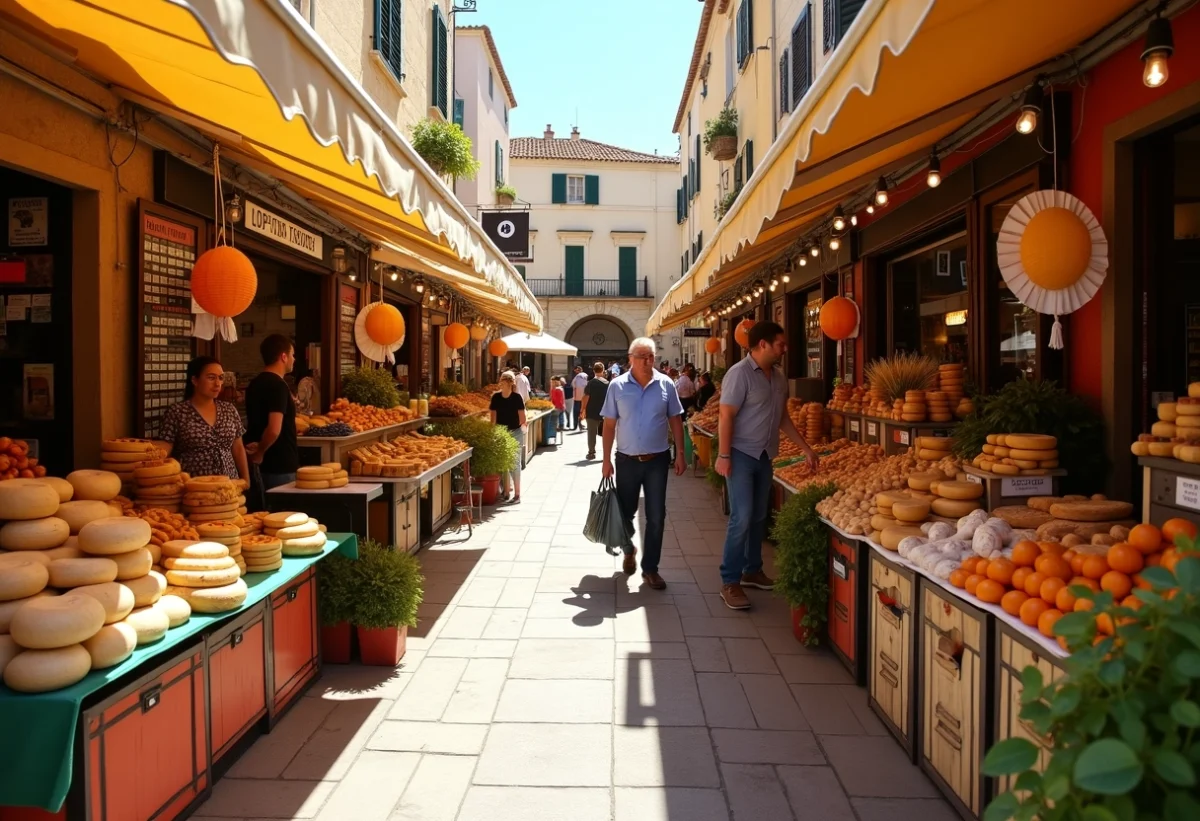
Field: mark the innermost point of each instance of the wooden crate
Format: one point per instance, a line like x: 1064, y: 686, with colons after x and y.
x: 892, y: 644
x: 848, y: 572
x: 955, y: 685
x: 237, y: 679
x: 295, y: 656
x: 1169, y: 490
x: 1000, y: 491
x: 1014, y: 652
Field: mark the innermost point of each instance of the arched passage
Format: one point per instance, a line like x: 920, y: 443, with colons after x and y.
x: 599, y: 337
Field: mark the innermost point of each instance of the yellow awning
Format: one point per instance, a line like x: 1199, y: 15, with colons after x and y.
x: 253, y: 76
x: 907, y: 74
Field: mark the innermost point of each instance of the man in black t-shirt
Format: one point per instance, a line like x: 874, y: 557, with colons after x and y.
x: 271, y: 416
x: 593, y: 400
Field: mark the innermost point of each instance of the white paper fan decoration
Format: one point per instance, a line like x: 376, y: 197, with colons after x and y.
x: 368, y: 347
x: 1052, y: 254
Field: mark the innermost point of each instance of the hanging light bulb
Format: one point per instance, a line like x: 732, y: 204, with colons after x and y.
x: 870, y: 208
x: 419, y: 285
x: 774, y: 281
x: 1160, y: 45
x: 787, y: 278
x: 1027, y: 120
x: 233, y: 209
x: 834, y: 243
x: 804, y: 261
x: 815, y: 251
x: 772, y: 286
x: 839, y: 219
x: 854, y: 219
x: 395, y: 275
x: 881, y: 194
x: 933, y: 177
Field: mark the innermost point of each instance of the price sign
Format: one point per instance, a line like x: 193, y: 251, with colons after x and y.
x: 1187, y: 492
x: 1026, y: 486
x: 971, y: 477
x: 854, y: 426
x: 839, y: 567
x: 871, y: 429
x: 900, y: 437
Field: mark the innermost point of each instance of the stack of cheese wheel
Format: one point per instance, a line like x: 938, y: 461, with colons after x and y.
x: 914, y: 407
x: 22, y: 579
x: 213, y: 499
x: 319, y: 477
x: 97, y: 486
x: 227, y: 534
x: 814, y: 423
x: 955, y: 499
x: 31, y: 526
x: 940, y: 409
x: 892, y: 525
x: 897, y: 409
x: 933, y: 448
x: 300, y: 535
x: 49, y: 634
x: 262, y: 553
x: 1018, y: 454
x: 159, y: 483
x: 882, y: 518
x: 121, y: 456
x: 204, y: 575
x: 879, y: 406
x: 950, y: 381
x: 1176, y: 434
x: 252, y: 523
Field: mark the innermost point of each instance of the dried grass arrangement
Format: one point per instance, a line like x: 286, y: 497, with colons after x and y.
x: 902, y: 372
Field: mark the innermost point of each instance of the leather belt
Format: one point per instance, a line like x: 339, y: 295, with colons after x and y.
x: 644, y: 457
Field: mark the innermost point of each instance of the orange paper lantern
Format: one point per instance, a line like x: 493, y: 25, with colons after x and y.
x: 224, y: 281
x: 479, y: 333
x: 712, y: 345
x: 456, y: 335
x: 1056, y: 248
x: 839, y: 318
x: 498, y: 347
x: 385, y: 325
x: 741, y: 334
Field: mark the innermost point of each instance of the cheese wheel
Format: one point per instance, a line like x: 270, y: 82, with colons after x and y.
x: 1091, y: 511
x: 953, y: 508
x: 128, y: 445
x: 316, y: 472
x: 990, y: 450
x: 960, y: 490
x: 879, y: 521
x: 913, y: 407
x: 1164, y: 429
x: 106, y: 537
x: 163, y: 490
x: 116, y: 599
x: 922, y: 481
x: 42, y: 557
x: 168, y: 468
x: 150, y: 623
x: 40, y: 671
x: 218, y: 529
x: 263, y: 568
x: 320, y: 484
x: 203, y: 578
x: 1185, y: 425
x: 1194, y: 389
x: 1002, y: 451
x: 1167, y: 411
x: 1005, y: 469
x: 931, y: 455
x: 1036, y: 455
x: 134, y: 564
x: 34, y: 534
x: 1030, y: 441
x: 887, y: 498
x: 1189, y: 454
x: 215, y: 599
x: 916, y: 510
x: 228, y: 517
x: 284, y: 519
x: 9, y: 608
x: 80, y: 512
x: 342, y: 481
x: 891, y: 537
x: 194, y: 550
x: 199, y: 564
x: 177, y: 609
x: 56, y: 621
x: 111, y: 646
x: 309, y: 528
x: 61, y: 486
x: 65, y: 573
x: 307, y: 546
x: 1162, y: 449
x: 27, y: 500
x: 943, y: 443
x: 101, y: 485
x: 8, y: 651
x: 148, y: 589
x: 20, y: 579
x: 68, y: 550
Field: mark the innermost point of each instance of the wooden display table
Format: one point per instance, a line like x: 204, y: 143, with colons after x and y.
x: 409, y: 513
x: 999, y: 491
x: 533, y: 432
x: 1170, y: 488
x: 898, y: 436
x: 321, y: 449
x: 344, y: 509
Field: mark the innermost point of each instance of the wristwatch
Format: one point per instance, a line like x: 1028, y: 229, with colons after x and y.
x: 723, y: 456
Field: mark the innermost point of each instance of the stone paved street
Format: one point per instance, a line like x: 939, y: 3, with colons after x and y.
x: 544, y: 685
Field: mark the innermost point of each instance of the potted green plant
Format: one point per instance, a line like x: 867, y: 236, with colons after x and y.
x: 335, y: 605
x: 720, y: 135
x: 445, y: 148
x: 1123, y: 723
x: 448, y: 387
x: 727, y: 202
x: 505, y: 194
x: 802, y: 560
x: 495, y: 451
x: 387, y: 591
x: 370, y: 386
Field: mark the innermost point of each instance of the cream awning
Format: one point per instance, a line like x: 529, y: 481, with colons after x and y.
x: 538, y: 343
x: 907, y: 74
x: 252, y: 75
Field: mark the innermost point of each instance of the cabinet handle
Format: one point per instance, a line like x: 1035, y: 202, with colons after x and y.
x: 946, y: 716
x: 887, y: 676
x: 949, y: 737
x: 841, y: 611
x: 292, y: 593
x: 151, y: 698
x: 888, y: 660
x: 236, y: 638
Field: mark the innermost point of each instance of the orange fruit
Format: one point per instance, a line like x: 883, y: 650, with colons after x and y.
x: 1094, y: 567
x: 1019, y: 576
x: 1091, y: 584
x: 1032, y: 610
x: 1012, y: 600
x: 1054, y: 548
x: 972, y: 583
x: 1050, y: 588
x: 1076, y: 562
x: 989, y: 590
x: 1146, y: 538
x: 1132, y: 602
x: 1033, y: 583
x: 1025, y: 553
x: 1063, y: 644
x: 1057, y: 566
x: 1170, y: 558
x: 981, y: 567
x: 1065, y: 600
x: 1140, y: 583
x: 1069, y: 554
x: 1154, y: 560
x: 1046, y: 621
x: 1104, y: 623
x: 968, y: 564
x: 958, y: 578
x: 1000, y: 570
x: 1117, y: 583
x: 1125, y: 558
x: 1177, y: 527
x: 1084, y: 604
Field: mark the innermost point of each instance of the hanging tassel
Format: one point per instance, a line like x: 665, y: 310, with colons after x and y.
x: 1056, y: 335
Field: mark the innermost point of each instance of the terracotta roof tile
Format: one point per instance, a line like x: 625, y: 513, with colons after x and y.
x: 565, y: 148
x: 491, y: 43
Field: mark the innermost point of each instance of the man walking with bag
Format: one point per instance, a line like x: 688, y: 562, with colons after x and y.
x: 753, y: 402
x: 593, y: 402
x: 639, y: 410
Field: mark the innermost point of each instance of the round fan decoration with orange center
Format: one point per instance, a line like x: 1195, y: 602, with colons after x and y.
x: 478, y: 333
x: 379, y: 331
x: 839, y: 318
x: 712, y: 345
x: 498, y: 347
x: 741, y: 334
x: 224, y: 283
x: 1052, y: 254
x: 456, y: 335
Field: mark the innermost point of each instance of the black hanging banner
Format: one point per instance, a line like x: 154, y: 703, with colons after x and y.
x: 510, y: 231
x: 697, y: 332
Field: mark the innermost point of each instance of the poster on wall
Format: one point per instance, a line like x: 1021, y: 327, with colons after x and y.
x: 29, y: 221
x: 37, y: 393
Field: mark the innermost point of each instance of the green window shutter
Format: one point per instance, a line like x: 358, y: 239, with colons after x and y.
x: 574, y: 270
x: 846, y: 12
x: 520, y: 270
x: 749, y: 152
x: 801, y: 68
x: 699, y: 160
x: 737, y: 171
x: 558, y: 189
x: 591, y: 190
x: 678, y: 206
x: 499, y: 164
x: 388, y: 34
x: 440, y: 81
x: 627, y: 270
x: 459, y: 111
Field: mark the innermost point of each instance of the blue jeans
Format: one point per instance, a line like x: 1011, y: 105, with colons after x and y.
x: 564, y: 416
x: 749, y: 502
x: 633, y: 479
x: 575, y: 413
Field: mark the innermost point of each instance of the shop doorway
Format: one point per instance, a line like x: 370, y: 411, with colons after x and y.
x: 599, y: 339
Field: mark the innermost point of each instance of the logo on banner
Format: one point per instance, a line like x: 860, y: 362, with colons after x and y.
x: 510, y: 231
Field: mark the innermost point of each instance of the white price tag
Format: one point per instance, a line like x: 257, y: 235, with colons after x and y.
x: 1187, y: 492
x: 854, y: 426
x: 971, y: 477
x: 871, y: 429
x: 1026, y: 486
x: 902, y: 437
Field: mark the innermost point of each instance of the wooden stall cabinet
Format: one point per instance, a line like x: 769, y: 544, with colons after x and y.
x: 1014, y: 653
x: 898, y: 437
x: 295, y: 655
x: 891, y: 672
x: 872, y: 431
x: 854, y: 428
x: 237, y: 679
x: 955, y: 682
x: 848, y: 602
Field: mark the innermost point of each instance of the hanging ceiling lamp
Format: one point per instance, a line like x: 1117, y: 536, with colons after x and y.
x: 839, y: 219
x: 1160, y: 45
x: 933, y: 177
x: 881, y: 194
x: 1027, y: 120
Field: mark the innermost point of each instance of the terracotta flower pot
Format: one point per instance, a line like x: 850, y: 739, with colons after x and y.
x: 382, y: 647
x: 724, y: 148
x: 491, y: 489
x: 335, y: 643
x: 803, y: 634
x: 504, y: 199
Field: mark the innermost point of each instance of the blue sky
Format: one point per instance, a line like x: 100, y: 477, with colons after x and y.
x: 620, y: 63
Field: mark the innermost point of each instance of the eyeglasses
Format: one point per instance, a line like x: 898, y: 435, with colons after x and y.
x: 649, y: 357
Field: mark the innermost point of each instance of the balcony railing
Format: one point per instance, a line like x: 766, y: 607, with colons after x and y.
x: 606, y: 288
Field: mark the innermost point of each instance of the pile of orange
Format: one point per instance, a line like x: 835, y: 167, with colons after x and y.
x: 1034, y: 584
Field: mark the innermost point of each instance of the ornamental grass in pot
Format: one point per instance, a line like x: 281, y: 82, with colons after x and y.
x: 802, y: 561
x: 505, y: 194
x: 335, y: 605
x: 388, y: 588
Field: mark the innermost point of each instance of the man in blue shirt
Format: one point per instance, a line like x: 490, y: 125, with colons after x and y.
x: 642, y: 405
x: 753, y: 400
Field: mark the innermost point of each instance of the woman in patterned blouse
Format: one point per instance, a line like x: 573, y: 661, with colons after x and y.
x: 206, y: 433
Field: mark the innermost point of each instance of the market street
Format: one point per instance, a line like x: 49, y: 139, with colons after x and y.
x: 543, y: 684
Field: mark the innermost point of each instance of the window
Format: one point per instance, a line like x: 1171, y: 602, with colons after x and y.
x: 573, y: 270
x: 575, y: 190
x: 785, y: 83
x: 439, y: 84
x: 836, y: 18
x: 499, y: 164
x: 627, y: 270
x: 801, y: 56
x: 388, y: 36
x: 699, y: 155
x: 729, y: 65
x: 459, y: 111
x: 520, y: 270
x: 491, y: 86
x: 929, y: 302
x: 689, y: 123
x: 745, y: 32
x: 506, y: 113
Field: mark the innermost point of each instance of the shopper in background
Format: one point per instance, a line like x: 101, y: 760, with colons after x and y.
x: 522, y: 384
x: 508, y: 410
x: 557, y: 398
x: 271, y: 420
x: 642, y: 415
x: 753, y: 396
x: 687, y: 390
x: 704, y: 390
x: 204, y: 432
x: 614, y: 369
x: 593, y: 402
x: 578, y: 384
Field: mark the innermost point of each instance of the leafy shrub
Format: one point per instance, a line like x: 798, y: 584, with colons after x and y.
x: 506, y: 190
x: 387, y: 587
x: 802, y: 556
x: 449, y: 387
x: 496, y: 452
x: 370, y: 386
x: 335, y: 586
x: 445, y: 147
x: 724, y: 124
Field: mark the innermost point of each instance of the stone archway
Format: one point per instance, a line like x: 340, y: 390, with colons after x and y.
x: 599, y: 337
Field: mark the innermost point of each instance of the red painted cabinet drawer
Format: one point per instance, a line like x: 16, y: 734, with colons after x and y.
x: 847, y: 602
x: 294, y: 646
x: 237, y: 679
x: 145, y: 748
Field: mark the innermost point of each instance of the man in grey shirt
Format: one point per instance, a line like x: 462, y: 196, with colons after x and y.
x: 753, y: 400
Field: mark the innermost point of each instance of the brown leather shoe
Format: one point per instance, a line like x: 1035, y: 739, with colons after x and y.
x: 735, y: 597
x: 760, y: 580
x: 629, y: 565
x: 654, y: 581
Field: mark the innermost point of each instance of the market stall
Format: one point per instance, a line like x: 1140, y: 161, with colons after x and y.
x: 326, y: 449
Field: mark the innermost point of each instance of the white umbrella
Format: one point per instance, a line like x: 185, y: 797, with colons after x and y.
x: 538, y: 343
